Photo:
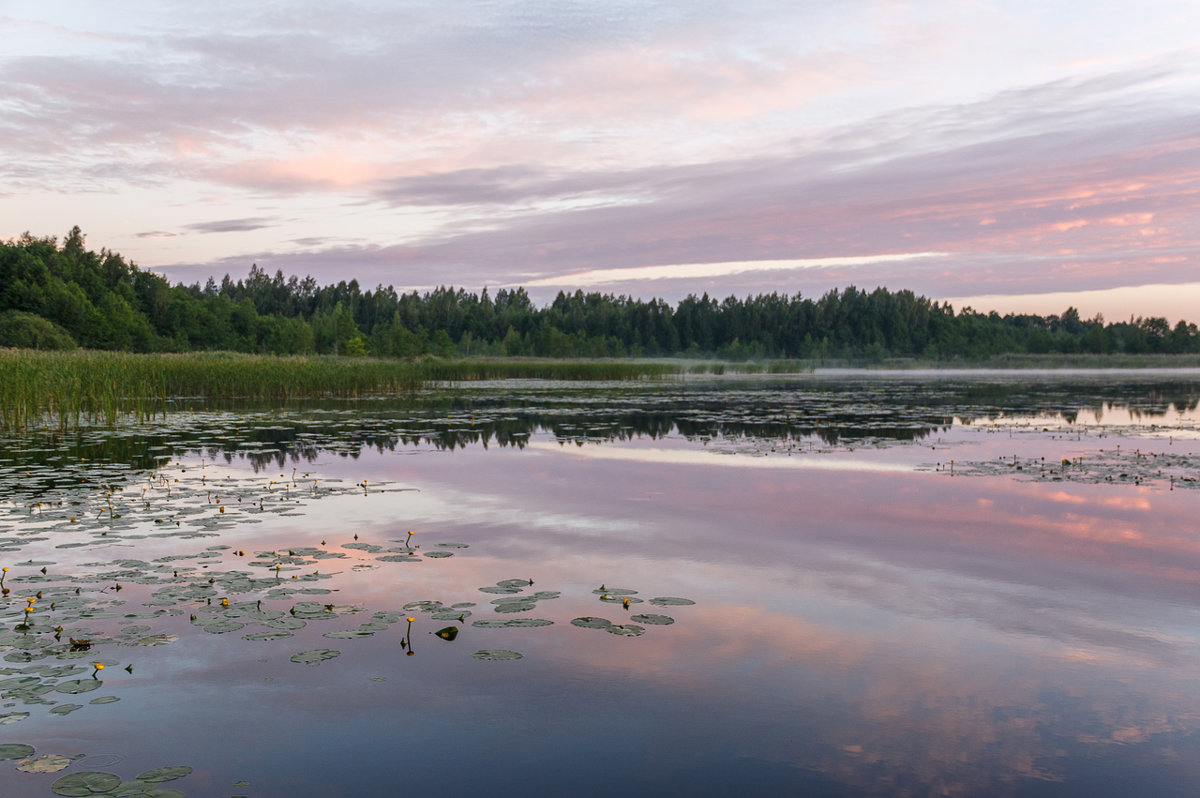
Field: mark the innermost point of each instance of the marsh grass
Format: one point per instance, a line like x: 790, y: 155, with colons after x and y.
x: 66, y: 389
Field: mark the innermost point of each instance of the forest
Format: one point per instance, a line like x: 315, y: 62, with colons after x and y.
x: 62, y: 295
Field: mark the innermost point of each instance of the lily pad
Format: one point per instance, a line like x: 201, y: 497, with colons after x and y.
x: 278, y: 635
x: 449, y: 633
x: 496, y: 654
x: 591, y: 622
x: 626, y: 630
x: 15, y: 751
x: 76, y: 686
x: 348, y: 634
x: 46, y: 763
x: 671, y: 601
x: 653, y: 620
x: 315, y: 656
x: 65, y: 709
x: 515, y: 623
x: 165, y: 774
x: 86, y: 783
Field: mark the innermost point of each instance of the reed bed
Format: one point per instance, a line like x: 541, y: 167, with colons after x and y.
x: 66, y: 389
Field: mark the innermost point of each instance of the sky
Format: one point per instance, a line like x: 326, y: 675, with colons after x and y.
x: 1013, y: 155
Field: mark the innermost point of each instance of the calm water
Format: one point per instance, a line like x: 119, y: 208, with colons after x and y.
x: 971, y: 584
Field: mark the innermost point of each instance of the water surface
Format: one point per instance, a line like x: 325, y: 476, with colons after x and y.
x: 903, y: 585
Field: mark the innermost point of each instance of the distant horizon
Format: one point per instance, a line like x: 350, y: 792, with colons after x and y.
x: 1014, y: 156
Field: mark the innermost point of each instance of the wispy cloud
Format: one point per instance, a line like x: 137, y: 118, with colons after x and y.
x: 416, y: 146
x: 230, y: 225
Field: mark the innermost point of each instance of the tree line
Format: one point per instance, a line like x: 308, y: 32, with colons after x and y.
x: 56, y: 296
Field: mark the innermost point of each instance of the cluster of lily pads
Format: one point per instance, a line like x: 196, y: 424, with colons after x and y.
x: 54, y: 650
x: 1112, y: 464
x: 93, y: 782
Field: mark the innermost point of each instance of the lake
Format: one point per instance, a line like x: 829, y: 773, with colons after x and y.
x: 837, y: 584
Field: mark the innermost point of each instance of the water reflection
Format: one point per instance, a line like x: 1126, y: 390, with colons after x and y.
x: 867, y: 623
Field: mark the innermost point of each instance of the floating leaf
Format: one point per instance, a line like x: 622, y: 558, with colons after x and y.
x: 590, y: 622
x: 348, y: 634
x: 653, y: 620
x: 671, y: 601
x: 279, y: 635
x: 86, y: 783
x: 157, y: 640
x: 439, y: 555
x: 165, y: 774
x: 626, y: 630
x: 15, y: 751
x: 315, y: 656
x: 65, y: 709
x: 46, y: 763
x: 398, y: 558
x: 515, y: 623
x: 496, y: 654
x: 76, y: 686
x: 514, y: 605
x: 449, y: 633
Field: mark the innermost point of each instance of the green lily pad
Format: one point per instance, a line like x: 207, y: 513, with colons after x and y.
x: 278, y: 635
x: 65, y: 709
x: 12, y: 717
x: 348, y: 634
x: 105, y: 699
x: 439, y: 555
x: 614, y: 591
x: 15, y: 751
x: 496, y: 654
x: 315, y: 656
x: 137, y: 788
x: 591, y: 622
x: 451, y: 615
x: 86, y: 783
x: 165, y: 774
x: 626, y: 630
x: 222, y: 626
x: 515, y: 623
x: 76, y: 686
x: 653, y: 620
x: 671, y: 601
x: 449, y: 633
x: 453, y: 545
x: 515, y: 605
x: 398, y: 558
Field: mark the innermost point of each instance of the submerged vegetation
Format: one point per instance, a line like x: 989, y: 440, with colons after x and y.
x: 60, y: 297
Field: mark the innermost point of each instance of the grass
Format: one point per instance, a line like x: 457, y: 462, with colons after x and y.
x: 66, y: 389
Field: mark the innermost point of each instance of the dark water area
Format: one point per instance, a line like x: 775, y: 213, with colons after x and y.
x: 842, y: 585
